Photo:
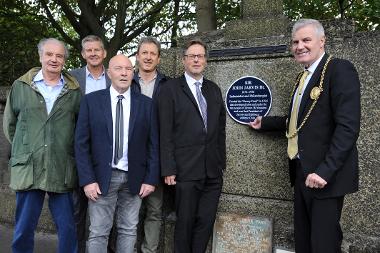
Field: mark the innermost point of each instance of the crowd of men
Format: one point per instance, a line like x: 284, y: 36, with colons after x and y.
x: 102, y: 142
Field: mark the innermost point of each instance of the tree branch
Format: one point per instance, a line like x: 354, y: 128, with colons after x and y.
x: 56, y: 25
x: 71, y: 16
x: 87, y: 16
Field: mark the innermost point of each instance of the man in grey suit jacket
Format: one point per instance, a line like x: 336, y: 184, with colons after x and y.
x: 91, y: 77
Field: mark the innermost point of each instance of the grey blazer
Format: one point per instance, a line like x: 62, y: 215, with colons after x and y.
x: 80, y: 75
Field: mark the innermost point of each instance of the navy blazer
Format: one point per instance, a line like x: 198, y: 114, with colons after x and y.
x: 94, y: 138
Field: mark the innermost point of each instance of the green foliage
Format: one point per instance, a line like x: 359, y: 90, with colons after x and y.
x: 226, y: 10
x: 122, y: 22
x: 19, y: 41
x: 21, y: 29
x: 365, y: 13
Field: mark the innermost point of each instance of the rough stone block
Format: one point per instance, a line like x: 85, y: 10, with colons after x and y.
x: 256, y: 8
x: 259, y: 27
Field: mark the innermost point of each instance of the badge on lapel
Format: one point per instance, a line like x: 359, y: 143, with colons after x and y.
x: 315, y: 92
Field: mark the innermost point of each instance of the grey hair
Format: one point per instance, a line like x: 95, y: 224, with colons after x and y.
x: 42, y: 43
x: 194, y: 42
x: 305, y: 22
x: 149, y: 39
x: 92, y: 38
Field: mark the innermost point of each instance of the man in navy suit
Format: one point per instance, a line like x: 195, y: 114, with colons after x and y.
x: 91, y: 77
x: 322, y: 129
x: 116, y: 149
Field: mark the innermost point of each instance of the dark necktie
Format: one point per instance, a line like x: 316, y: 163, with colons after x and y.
x: 202, y: 103
x: 119, y: 130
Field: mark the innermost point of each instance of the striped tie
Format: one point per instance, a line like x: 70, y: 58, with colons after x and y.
x: 202, y: 103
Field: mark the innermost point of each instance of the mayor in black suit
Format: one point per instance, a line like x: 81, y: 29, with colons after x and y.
x: 323, y: 157
x: 116, y: 168
x: 192, y: 148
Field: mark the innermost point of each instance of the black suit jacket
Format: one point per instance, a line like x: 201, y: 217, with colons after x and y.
x: 327, y: 141
x: 80, y: 75
x: 94, y: 138
x: 187, y: 150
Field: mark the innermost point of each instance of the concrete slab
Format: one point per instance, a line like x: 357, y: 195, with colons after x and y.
x: 43, y: 242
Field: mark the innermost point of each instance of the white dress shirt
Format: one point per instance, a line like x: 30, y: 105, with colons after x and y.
x: 191, y: 83
x: 311, y: 70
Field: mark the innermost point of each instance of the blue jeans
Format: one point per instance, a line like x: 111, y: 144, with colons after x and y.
x: 102, y: 212
x: 28, y: 210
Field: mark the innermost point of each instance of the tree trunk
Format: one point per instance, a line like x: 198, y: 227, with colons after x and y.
x: 206, y: 16
x: 173, y: 38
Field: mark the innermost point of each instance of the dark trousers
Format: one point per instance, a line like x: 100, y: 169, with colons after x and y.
x: 316, y: 221
x: 80, y: 214
x: 28, y: 210
x: 196, y: 206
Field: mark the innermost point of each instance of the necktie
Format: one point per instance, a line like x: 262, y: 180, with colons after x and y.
x: 293, y: 141
x: 202, y: 103
x: 119, y: 130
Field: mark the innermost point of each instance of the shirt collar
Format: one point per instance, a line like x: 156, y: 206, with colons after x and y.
x: 313, y: 66
x: 114, y: 93
x: 191, y: 80
x: 88, y: 73
x: 40, y: 78
x: 154, y: 78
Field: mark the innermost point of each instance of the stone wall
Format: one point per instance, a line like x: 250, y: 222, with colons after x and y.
x: 256, y: 181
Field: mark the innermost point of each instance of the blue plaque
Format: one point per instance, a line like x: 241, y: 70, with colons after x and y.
x: 247, y: 98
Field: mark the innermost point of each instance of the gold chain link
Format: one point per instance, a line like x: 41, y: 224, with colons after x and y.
x: 289, y: 136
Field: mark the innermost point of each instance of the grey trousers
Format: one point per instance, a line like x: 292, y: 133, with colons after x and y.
x: 153, y: 220
x: 102, y: 212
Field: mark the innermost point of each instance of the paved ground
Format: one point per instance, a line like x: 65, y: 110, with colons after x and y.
x: 44, y: 243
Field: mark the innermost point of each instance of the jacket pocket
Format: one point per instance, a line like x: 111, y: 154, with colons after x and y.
x: 22, y: 173
x: 70, y: 173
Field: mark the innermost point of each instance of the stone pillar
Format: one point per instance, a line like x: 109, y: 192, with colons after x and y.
x: 259, y: 19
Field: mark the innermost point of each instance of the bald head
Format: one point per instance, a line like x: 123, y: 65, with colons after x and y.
x: 120, y: 71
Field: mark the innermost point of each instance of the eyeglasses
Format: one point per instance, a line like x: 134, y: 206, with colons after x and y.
x: 193, y: 56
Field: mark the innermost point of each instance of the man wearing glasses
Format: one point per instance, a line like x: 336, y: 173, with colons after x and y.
x: 192, y: 148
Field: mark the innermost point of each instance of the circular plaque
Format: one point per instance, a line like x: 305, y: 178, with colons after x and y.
x: 247, y: 98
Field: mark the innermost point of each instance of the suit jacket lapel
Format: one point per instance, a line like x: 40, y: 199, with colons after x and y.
x: 108, y: 80
x: 107, y: 111
x: 189, y: 94
x: 135, y: 106
x: 82, y: 80
x: 306, y: 101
